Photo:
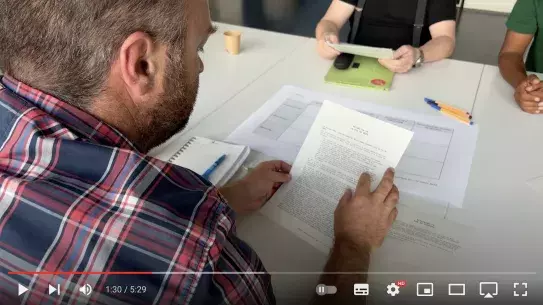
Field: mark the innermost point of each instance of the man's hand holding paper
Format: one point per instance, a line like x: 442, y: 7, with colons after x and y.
x: 325, y: 48
x: 250, y: 193
x: 331, y: 160
x: 364, y: 217
x: 402, y: 61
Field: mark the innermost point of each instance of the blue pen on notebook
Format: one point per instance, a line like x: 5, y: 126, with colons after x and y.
x: 213, y: 167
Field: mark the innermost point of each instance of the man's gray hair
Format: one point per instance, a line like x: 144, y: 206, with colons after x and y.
x: 66, y: 47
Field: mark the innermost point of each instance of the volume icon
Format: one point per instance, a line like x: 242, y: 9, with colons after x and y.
x: 85, y: 289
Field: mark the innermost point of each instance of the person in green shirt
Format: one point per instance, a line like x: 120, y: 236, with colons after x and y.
x: 523, y: 28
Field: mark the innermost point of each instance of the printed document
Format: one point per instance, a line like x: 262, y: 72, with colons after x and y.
x: 341, y: 145
x: 437, y: 162
x: 413, y: 231
x: 380, y: 53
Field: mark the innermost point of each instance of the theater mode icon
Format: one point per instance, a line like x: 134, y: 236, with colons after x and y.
x: 457, y: 289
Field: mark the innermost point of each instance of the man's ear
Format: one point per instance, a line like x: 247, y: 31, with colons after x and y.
x: 138, y: 64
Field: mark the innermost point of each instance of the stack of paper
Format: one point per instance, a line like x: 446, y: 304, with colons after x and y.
x: 331, y: 160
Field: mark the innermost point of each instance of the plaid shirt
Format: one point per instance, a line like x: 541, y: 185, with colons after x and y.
x: 77, y: 196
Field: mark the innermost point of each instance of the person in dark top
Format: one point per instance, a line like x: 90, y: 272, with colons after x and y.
x: 390, y: 24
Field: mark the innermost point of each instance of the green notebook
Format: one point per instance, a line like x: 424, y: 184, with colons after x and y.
x: 364, y: 72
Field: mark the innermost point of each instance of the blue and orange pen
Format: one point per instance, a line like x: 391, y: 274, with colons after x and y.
x: 463, y: 118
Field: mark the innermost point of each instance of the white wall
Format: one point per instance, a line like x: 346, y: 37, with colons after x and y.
x: 491, y: 5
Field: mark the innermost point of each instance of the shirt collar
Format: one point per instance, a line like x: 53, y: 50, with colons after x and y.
x: 77, y: 120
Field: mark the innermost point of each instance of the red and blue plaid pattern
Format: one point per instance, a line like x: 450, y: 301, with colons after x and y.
x: 76, y: 195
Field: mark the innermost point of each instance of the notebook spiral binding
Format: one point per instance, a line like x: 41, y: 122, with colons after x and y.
x: 181, y: 150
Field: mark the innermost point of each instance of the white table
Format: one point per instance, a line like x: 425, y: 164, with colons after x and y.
x: 506, y: 245
x: 304, y: 68
x: 498, y: 199
x: 448, y: 80
x: 225, y: 75
x: 453, y: 81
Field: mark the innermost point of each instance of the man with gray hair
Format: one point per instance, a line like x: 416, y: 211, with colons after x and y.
x: 90, y: 87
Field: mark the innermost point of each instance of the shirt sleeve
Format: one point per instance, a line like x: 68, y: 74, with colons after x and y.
x: 235, y: 275
x: 441, y: 10
x: 353, y: 2
x: 523, y: 18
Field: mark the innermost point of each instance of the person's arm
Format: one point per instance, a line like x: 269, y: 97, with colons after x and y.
x: 441, y: 16
x: 511, y: 60
x: 361, y: 222
x: 522, y: 25
x: 441, y: 46
x: 528, y: 89
x: 521, y: 28
x: 442, y: 43
x: 346, y: 256
x: 328, y: 28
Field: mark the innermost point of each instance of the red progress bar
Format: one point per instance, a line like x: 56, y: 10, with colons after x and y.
x: 77, y: 273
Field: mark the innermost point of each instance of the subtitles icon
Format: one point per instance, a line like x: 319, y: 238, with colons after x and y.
x: 425, y: 289
x: 457, y: 289
x: 361, y: 289
x: 488, y: 289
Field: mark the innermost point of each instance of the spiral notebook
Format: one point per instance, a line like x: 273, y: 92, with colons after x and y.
x: 198, y: 154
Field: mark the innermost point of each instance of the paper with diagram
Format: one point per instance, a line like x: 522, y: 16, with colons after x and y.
x: 333, y: 156
x: 435, y: 166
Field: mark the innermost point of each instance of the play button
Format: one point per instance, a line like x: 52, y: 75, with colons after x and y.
x: 22, y: 289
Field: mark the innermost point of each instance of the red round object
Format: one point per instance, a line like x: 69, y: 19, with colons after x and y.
x: 378, y: 82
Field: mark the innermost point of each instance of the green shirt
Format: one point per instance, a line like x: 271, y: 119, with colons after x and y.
x: 527, y: 18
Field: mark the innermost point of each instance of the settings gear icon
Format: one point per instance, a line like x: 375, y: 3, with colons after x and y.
x: 393, y: 289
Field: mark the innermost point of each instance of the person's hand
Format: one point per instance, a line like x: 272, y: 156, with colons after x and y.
x: 529, y: 95
x: 324, y: 49
x: 250, y: 193
x: 364, y: 217
x: 402, y: 61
